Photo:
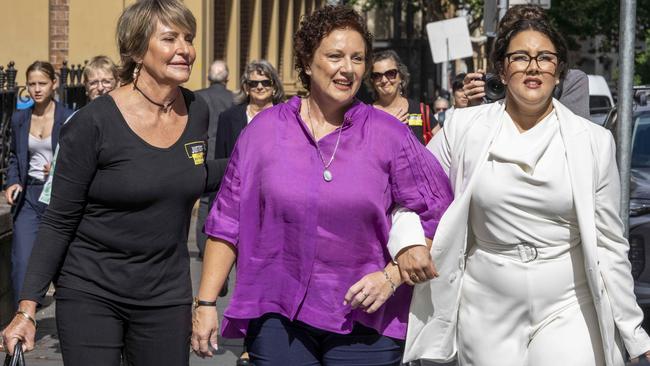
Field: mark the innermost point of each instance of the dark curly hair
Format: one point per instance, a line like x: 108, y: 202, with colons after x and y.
x: 317, y: 25
x: 521, y: 18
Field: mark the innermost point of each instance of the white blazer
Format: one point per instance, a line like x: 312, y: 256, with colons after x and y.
x: 461, y: 149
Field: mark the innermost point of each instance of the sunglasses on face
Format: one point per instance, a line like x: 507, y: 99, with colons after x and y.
x: 390, y: 75
x: 254, y: 83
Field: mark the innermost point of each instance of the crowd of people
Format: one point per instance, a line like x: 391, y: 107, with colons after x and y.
x: 360, y: 233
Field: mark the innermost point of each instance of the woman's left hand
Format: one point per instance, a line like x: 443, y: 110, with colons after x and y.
x: 636, y: 360
x: 369, y: 293
x: 403, y: 116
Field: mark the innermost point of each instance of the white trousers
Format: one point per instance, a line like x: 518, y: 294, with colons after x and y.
x: 536, y: 313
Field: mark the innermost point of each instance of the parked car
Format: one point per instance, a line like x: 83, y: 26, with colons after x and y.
x: 639, y: 218
x: 600, y: 99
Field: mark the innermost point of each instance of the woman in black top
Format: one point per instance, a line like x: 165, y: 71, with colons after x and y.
x: 388, y: 81
x: 114, y: 238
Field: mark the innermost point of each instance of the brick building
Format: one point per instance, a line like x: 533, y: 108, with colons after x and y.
x: 76, y: 30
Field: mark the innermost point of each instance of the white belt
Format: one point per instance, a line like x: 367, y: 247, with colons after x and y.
x: 523, y: 251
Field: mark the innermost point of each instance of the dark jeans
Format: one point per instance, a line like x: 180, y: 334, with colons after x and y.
x: 96, y: 331
x: 26, y: 225
x: 274, y: 340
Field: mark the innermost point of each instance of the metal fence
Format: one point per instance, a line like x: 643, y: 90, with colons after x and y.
x: 71, y: 93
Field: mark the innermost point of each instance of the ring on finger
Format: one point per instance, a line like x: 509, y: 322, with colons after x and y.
x: 414, y: 277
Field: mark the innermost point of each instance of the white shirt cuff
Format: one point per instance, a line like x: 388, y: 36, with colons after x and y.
x: 406, y: 231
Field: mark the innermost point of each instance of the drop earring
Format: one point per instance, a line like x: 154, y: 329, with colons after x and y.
x: 136, y: 72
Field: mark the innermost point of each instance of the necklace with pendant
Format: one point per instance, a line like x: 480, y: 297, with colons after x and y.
x: 163, y: 107
x: 327, y: 173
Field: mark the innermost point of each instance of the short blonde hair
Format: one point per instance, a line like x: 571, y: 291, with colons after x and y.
x: 138, y: 23
x: 100, y: 62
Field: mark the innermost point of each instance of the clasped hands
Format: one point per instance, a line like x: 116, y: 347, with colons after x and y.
x: 414, y: 265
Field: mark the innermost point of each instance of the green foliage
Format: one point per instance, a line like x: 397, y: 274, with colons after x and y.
x: 575, y: 19
x: 586, y: 18
x: 642, y: 64
x: 434, y: 10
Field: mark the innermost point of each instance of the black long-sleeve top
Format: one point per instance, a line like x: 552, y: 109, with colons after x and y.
x: 120, y: 211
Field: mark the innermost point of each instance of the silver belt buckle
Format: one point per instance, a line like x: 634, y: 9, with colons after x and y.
x: 527, y: 252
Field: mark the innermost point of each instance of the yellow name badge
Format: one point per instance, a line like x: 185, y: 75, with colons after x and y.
x: 196, y: 151
x: 415, y: 119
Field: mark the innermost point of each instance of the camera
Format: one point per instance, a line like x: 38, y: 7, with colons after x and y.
x: 494, y: 88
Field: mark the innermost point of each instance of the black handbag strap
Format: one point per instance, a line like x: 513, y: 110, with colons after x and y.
x: 18, y: 359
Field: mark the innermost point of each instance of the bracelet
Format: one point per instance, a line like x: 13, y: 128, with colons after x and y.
x: 28, y: 317
x: 392, y: 285
x: 196, y: 303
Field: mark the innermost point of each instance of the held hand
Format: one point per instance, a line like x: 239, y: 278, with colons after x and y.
x: 416, y: 265
x: 205, y: 327
x: 12, y: 192
x: 369, y: 293
x: 46, y: 169
x: 20, y: 329
x: 474, y: 87
x: 637, y: 360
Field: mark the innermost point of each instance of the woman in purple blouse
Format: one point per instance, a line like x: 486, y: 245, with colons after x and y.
x: 305, y: 210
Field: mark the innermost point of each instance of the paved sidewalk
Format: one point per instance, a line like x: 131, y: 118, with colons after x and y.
x: 48, y: 353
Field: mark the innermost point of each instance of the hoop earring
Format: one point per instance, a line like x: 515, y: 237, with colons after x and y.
x: 136, y: 72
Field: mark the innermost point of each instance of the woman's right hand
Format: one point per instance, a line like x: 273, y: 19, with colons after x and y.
x: 205, y: 327
x: 474, y: 87
x: 10, y: 192
x: 20, y: 329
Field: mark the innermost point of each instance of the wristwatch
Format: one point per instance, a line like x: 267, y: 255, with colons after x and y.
x: 196, y: 303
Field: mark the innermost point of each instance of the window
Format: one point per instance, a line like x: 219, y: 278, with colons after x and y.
x: 599, y: 104
x: 641, y: 141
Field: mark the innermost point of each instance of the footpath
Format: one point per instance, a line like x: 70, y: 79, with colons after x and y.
x: 48, y: 352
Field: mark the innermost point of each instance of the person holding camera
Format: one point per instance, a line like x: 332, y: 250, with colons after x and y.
x: 531, y: 254
x: 572, y: 91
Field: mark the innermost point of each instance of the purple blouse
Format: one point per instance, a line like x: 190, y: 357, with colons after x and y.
x: 302, y: 241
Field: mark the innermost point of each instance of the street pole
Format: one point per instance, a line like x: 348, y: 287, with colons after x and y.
x: 503, y: 8
x: 444, y: 81
x: 625, y: 83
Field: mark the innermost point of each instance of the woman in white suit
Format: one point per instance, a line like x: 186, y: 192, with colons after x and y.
x: 531, y: 255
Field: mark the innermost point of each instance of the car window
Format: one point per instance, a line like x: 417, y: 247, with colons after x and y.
x: 641, y: 141
x: 599, y: 104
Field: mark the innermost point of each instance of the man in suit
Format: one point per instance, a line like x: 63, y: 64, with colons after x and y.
x: 218, y: 99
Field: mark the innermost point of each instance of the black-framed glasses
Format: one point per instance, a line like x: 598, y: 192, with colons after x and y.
x: 254, y: 83
x: 390, y: 75
x: 521, y: 60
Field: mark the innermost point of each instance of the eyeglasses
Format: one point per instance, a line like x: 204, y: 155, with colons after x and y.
x: 440, y: 109
x: 521, y: 60
x: 106, y: 83
x: 254, y: 83
x: 390, y: 75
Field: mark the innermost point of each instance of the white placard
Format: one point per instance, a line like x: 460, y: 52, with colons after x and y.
x: 449, y: 39
x: 546, y: 4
